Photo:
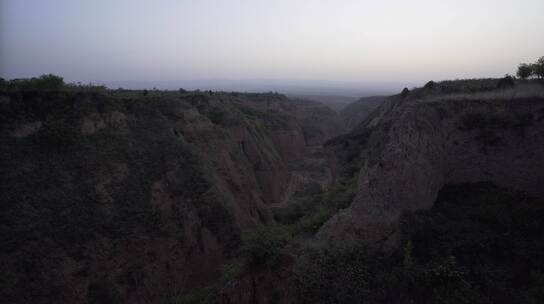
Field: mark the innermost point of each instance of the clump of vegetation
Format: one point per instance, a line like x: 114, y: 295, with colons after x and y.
x: 404, y: 93
x: 220, y: 117
x: 536, y: 69
x: 465, y: 86
x: 333, y: 274
x: 524, y: 71
x: 311, y: 222
x: 306, y: 214
x: 506, y: 82
x: 48, y: 82
x: 478, y: 244
x: 263, y: 246
x: 429, y: 85
x: 206, y: 295
x: 490, y: 124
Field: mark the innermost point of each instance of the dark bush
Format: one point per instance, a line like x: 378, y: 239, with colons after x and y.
x: 288, y: 215
x: 478, y: 244
x: 47, y: 82
x: 506, y: 82
x: 262, y: 246
x: 405, y: 93
x: 538, y: 68
x: 333, y: 275
x: 524, y: 71
x: 429, y: 85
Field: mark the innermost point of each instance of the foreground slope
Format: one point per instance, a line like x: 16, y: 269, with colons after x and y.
x: 138, y: 196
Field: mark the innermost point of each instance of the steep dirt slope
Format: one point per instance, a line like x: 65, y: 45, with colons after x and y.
x: 320, y: 123
x: 136, y: 196
x: 418, y: 141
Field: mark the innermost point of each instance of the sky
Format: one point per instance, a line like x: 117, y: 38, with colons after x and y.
x: 341, y: 40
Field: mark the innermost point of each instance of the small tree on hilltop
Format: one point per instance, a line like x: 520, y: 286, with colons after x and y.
x: 49, y: 82
x: 524, y: 71
x: 538, y: 68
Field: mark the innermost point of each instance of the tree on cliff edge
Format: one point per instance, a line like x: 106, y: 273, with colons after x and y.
x: 538, y: 68
x: 524, y: 71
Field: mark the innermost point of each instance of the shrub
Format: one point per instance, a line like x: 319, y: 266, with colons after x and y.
x: 205, y: 295
x: 48, y: 82
x: 333, y: 275
x: 288, y: 215
x: 312, y: 222
x: 262, y: 246
x: 230, y: 271
x: 405, y: 93
x: 538, y: 68
x: 219, y: 116
x: 506, y: 82
x: 429, y: 85
x: 524, y: 71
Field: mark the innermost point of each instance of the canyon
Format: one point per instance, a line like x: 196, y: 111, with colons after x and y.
x: 193, y: 196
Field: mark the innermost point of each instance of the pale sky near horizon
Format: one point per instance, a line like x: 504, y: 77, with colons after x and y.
x: 342, y: 40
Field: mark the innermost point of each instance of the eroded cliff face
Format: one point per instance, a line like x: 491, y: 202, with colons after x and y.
x: 415, y: 143
x: 124, y: 196
x: 120, y: 196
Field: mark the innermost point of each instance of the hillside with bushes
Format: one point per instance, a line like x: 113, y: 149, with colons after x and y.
x: 117, y: 195
x: 148, y: 196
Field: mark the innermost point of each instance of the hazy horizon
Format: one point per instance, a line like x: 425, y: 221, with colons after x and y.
x: 286, y: 86
x: 355, y: 42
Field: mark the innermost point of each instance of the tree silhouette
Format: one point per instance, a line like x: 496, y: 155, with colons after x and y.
x: 538, y: 68
x: 524, y: 71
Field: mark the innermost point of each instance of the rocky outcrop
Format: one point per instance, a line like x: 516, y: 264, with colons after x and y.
x: 411, y: 146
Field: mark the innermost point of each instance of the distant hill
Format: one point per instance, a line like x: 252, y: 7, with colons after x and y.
x: 355, y: 112
x: 335, y: 102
